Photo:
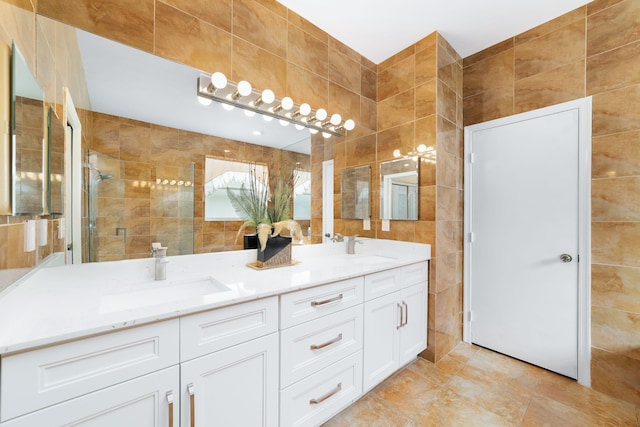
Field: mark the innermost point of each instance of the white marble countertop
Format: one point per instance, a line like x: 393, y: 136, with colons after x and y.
x: 58, y: 304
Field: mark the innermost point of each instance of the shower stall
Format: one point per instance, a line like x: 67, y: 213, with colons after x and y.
x: 132, y: 204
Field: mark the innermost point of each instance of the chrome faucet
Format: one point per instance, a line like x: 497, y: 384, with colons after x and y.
x: 160, y: 254
x: 337, y: 238
x: 351, y: 244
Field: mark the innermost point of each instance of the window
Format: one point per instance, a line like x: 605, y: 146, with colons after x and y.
x: 302, y: 195
x: 223, y: 174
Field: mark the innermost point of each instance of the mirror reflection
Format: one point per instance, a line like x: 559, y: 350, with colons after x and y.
x: 399, y: 189
x: 355, y: 194
x: 55, y: 147
x: 27, y: 130
x: 149, y: 140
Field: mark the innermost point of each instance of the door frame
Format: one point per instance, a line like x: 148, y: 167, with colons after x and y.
x: 73, y: 181
x: 583, y: 106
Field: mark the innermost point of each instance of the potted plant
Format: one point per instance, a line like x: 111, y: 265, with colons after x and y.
x: 268, y: 210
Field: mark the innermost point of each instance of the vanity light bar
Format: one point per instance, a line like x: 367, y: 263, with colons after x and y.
x: 284, y: 109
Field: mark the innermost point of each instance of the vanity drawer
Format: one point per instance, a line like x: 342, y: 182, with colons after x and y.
x: 207, y: 332
x: 322, y: 395
x: 311, y: 346
x: 310, y: 304
x: 36, y: 379
x: 386, y: 282
x: 415, y: 273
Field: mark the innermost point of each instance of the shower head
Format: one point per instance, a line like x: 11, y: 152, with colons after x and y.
x: 101, y: 176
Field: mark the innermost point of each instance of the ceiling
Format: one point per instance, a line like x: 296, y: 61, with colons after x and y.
x: 378, y: 29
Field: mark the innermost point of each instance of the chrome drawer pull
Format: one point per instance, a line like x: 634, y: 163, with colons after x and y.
x: 327, y: 301
x: 319, y: 346
x: 400, y: 311
x: 170, y: 404
x: 192, y: 404
x: 326, y: 396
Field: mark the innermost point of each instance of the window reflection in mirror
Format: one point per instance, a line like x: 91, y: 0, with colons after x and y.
x: 399, y: 189
x: 302, y: 195
x: 355, y: 192
x: 223, y: 174
x: 55, y: 148
x: 27, y: 130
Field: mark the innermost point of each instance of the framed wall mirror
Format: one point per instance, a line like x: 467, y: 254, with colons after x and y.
x: 399, y: 189
x: 55, y: 154
x: 355, y: 193
x: 27, y: 133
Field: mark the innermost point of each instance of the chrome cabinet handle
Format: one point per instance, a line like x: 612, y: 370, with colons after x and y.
x: 192, y: 404
x: 319, y: 346
x: 406, y: 313
x: 326, y: 396
x: 327, y: 301
x: 170, y: 404
x: 566, y: 258
x: 401, y: 310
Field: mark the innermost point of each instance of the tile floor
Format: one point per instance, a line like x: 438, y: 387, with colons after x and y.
x: 477, y: 387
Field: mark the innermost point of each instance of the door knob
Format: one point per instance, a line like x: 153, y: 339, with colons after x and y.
x: 566, y: 258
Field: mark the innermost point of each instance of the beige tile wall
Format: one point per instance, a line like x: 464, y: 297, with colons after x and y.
x: 593, y: 50
x: 260, y: 41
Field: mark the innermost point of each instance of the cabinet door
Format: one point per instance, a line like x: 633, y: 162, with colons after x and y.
x: 141, y: 402
x: 381, y: 323
x: 237, y: 386
x: 413, y: 335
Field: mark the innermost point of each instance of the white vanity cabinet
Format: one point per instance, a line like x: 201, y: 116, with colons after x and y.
x: 395, y: 321
x: 108, y: 379
x: 321, y: 351
x: 229, y: 369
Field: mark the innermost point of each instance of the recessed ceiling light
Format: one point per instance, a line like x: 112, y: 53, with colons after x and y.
x: 257, y: 132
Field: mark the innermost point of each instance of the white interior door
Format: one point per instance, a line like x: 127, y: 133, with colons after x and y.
x: 327, y: 200
x: 522, y: 215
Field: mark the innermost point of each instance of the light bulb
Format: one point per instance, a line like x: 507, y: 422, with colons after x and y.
x: 218, y: 80
x: 268, y: 96
x: 204, y: 101
x: 326, y: 135
x: 396, y: 153
x: 267, y: 118
x: 421, y: 148
x: 313, y: 131
x: 349, y: 124
x: 336, y: 119
x: 228, y: 107
x: 299, y: 127
x: 287, y: 103
x: 244, y: 88
x: 305, y: 109
x: 284, y: 123
x: 321, y: 114
x: 249, y: 113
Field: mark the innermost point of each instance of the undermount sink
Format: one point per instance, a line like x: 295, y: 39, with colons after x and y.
x: 372, y: 259
x: 162, y: 292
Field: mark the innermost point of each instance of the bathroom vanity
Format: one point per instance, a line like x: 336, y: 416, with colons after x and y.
x: 217, y: 343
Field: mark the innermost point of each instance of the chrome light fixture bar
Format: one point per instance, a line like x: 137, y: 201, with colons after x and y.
x: 217, y: 88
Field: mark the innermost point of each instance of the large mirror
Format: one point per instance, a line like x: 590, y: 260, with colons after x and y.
x: 55, y: 151
x: 355, y: 194
x: 27, y: 132
x: 147, y: 126
x: 399, y: 189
